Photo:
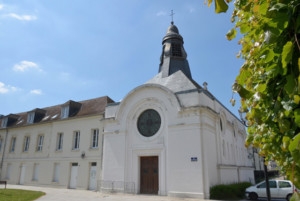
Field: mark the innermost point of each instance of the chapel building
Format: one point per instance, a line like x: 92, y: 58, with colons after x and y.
x: 169, y: 136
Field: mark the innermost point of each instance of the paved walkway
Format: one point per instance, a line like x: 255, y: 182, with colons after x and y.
x: 57, y: 194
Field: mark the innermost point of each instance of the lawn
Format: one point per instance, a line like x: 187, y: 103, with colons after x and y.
x: 19, y: 195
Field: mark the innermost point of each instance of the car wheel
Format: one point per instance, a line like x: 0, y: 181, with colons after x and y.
x: 288, y: 197
x: 253, y: 196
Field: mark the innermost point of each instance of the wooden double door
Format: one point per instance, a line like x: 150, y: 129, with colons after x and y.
x: 149, y: 175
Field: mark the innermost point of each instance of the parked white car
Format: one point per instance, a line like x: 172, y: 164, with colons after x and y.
x: 278, y: 189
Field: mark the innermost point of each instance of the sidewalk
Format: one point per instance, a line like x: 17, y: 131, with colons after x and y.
x: 57, y: 194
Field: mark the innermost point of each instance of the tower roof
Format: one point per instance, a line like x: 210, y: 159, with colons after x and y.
x: 172, y: 33
x: 172, y: 28
x: 173, y: 57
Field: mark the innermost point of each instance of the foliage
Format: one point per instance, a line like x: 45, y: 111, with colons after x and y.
x: 19, y: 195
x: 229, y: 192
x: 295, y: 197
x: 269, y: 81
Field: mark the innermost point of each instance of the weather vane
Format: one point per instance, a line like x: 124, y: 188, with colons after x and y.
x: 172, y: 14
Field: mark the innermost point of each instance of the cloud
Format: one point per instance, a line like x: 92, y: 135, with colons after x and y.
x: 21, y: 17
x: 36, y: 91
x: 1, y: 6
x: 6, y: 88
x: 161, y: 13
x: 25, y: 65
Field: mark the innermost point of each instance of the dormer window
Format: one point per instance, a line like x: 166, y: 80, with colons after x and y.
x: 65, y: 112
x: 30, y: 118
x: 35, y: 115
x: 4, y: 122
x: 70, y: 109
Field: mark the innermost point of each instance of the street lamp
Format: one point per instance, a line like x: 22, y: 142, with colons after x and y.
x: 242, y: 114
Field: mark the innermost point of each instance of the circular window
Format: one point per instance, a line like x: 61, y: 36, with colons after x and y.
x: 149, y: 123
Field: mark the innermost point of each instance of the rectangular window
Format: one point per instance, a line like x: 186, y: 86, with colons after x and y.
x: 30, y: 118
x: 13, y: 144
x: 8, y: 170
x: 59, y: 141
x: 95, y: 137
x: 35, y: 174
x: 176, y: 50
x: 40, y: 143
x: 284, y: 184
x: 76, y: 140
x: 4, y: 122
x: 65, y: 112
x: 56, y: 173
x: 26, y: 143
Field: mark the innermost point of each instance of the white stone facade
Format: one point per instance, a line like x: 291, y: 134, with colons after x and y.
x: 190, y: 128
x: 97, y: 144
x: 49, y: 156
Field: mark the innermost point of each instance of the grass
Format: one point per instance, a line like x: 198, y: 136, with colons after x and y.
x: 19, y: 195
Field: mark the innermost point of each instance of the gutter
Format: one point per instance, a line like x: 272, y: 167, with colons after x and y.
x: 3, y: 153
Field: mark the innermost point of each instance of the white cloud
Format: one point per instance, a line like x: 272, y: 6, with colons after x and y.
x: 36, y: 91
x: 6, y: 88
x: 161, y: 13
x: 25, y: 65
x: 22, y: 17
x: 1, y: 6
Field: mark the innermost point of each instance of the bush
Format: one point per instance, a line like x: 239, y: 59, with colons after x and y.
x: 229, y: 192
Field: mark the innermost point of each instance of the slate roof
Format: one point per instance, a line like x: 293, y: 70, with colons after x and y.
x: 175, y: 82
x: 94, y: 106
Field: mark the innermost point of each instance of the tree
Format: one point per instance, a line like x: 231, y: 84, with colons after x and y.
x: 269, y: 82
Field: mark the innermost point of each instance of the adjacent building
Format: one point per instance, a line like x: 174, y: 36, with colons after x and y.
x: 169, y: 136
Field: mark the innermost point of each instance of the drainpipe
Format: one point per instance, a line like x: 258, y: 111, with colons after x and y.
x: 253, y: 158
x: 3, y: 152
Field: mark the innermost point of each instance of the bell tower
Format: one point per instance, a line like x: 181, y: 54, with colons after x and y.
x: 173, y: 57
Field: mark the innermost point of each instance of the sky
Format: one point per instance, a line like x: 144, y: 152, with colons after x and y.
x: 60, y: 50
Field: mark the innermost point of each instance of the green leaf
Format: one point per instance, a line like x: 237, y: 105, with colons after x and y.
x: 261, y: 88
x: 287, y: 53
x: 297, y: 116
x: 296, y: 99
x: 209, y: 3
x: 220, y: 6
x: 278, y: 7
x: 244, y: 75
x: 244, y: 93
x: 294, y: 144
x: 231, y: 34
x: 244, y: 28
x: 285, y: 143
x: 267, y: 55
x: 290, y: 84
x: 263, y: 8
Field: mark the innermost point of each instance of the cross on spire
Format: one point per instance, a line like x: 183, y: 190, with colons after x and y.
x: 172, y: 14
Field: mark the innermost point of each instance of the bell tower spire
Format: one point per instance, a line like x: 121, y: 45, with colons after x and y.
x: 173, y: 57
x: 172, y: 14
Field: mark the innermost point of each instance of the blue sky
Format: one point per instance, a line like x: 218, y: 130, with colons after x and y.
x: 60, y: 50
